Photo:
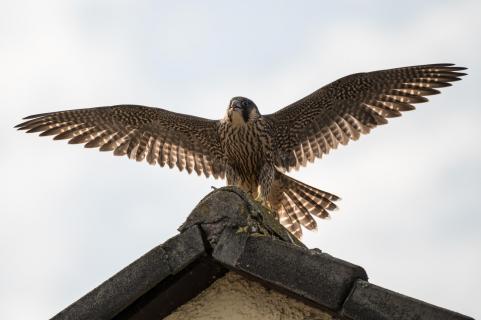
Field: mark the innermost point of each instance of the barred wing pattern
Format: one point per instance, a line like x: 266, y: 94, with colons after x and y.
x: 352, y: 106
x: 140, y: 132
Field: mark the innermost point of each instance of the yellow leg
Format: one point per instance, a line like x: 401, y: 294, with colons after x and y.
x: 263, y: 201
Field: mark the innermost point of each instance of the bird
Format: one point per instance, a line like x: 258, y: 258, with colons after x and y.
x: 251, y: 150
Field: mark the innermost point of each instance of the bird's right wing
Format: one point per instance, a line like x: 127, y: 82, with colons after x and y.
x: 154, y: 134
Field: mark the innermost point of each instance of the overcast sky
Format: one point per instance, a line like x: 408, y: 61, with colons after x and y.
x: 71, y: 218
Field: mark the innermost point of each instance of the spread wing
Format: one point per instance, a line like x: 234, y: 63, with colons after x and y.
x: 351, y: 106
x: 140, y: 132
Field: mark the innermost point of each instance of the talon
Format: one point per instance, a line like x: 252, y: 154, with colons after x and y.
x: 258, y: 234
x: 263, y: 202
x: 242, y: 229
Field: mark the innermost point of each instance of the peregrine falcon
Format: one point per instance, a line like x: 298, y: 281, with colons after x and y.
x: 251, y: 150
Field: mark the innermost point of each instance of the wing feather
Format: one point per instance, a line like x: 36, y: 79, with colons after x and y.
x: 142, y: 133
x: 351, y: 106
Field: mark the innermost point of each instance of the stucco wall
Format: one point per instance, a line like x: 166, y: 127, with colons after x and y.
x: 234, y: 297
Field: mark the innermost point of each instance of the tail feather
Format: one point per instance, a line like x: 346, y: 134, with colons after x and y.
x: 314, y: 207
x: 302, y: 213
x: 291, y: 224
x: 296, y: 202
x: 321, y: 199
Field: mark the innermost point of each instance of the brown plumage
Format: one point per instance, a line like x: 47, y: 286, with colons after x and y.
x: 251, y: 150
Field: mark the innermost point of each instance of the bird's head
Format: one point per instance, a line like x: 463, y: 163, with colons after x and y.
x: 242, y: 111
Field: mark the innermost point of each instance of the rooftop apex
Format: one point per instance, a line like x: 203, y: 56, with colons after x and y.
x: 228, y: 231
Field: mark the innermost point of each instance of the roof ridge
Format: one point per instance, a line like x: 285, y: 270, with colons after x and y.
x: 228, y: 231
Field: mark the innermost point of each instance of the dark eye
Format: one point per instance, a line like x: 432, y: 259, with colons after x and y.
x: 245, y: 103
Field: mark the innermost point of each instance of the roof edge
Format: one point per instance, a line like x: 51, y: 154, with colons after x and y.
x: 229, y: 231
x: 123, y: 288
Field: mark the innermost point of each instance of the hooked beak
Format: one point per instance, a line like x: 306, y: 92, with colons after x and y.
x: 235, y: 105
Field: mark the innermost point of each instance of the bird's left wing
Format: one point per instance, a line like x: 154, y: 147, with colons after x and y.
x: 351, y: 106
x: 154, y: 134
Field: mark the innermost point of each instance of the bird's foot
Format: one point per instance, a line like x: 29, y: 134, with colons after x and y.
x: 253, y: 230
x: 260, y: 199
x: 243, y: 229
